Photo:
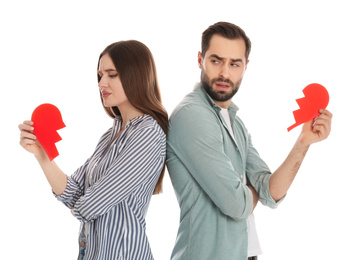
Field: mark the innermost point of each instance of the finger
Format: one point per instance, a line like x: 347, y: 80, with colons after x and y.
x: 323, y: 117
x: 322, y: 121
x: 27, y: 135
x: 319, y: 133
x: 26, y: 127
x: 326, y: 112
x: 322, y: 133
x: 28, y: 122
x: 24, y: 142
x: 323, y: 130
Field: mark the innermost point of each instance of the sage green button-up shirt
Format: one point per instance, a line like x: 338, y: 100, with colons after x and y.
x: 207, y: 168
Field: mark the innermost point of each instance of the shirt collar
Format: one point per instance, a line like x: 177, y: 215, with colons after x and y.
x: 132, y: 122
x: 232, y: 109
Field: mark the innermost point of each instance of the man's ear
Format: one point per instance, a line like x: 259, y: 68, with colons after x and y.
x: 200, y: 60
x: 246, y: 65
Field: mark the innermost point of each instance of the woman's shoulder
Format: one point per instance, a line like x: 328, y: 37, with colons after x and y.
x: 147, y: 123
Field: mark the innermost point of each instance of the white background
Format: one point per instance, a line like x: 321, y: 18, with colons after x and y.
x: 49, y: 53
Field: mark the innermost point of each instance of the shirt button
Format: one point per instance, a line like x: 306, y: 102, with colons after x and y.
x: 241, y: 176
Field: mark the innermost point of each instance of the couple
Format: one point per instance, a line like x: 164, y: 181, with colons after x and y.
x: 217, y: 174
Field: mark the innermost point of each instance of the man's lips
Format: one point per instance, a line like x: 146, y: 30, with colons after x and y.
x: 222, y: 85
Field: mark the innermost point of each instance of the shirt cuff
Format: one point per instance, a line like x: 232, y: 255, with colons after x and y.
x: 77, y: 213
x: 268, y: 199
x: 68, y: 193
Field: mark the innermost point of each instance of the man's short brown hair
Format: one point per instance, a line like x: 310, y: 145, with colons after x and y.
x: 227, y: 30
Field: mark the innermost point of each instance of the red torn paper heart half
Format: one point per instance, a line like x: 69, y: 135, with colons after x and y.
x: 47, y: 119
x: 316, y: 98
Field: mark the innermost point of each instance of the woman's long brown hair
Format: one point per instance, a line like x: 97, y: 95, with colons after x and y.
x: 136, y: 67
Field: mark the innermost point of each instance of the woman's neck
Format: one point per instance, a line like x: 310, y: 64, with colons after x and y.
x: 129, y: 112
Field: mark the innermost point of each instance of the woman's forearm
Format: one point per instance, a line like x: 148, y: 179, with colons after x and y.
x: 55, y: 176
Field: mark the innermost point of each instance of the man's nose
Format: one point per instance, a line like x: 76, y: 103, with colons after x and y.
x: 224, y: 73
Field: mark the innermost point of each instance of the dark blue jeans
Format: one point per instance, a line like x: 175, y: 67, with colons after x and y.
x: 82, y: 248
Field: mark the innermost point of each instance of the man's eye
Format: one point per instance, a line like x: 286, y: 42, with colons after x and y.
x: 234, y: 65
x: 215, y: 61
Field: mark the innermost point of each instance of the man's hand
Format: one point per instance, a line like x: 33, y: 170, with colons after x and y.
x: 318, y: 129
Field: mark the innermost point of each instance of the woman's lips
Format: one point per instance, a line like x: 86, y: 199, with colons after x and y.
x: 105, y: 94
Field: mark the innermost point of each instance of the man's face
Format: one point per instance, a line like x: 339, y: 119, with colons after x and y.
x: 223, y: 68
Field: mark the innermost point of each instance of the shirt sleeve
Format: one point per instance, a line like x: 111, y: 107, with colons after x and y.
x: 198, y: 143
x: 75, y: 187
x: 142, y: 156
x: 258, y: 174
x: 75, y: 183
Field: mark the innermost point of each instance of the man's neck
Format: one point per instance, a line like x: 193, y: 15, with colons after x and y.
x: 223, y: 104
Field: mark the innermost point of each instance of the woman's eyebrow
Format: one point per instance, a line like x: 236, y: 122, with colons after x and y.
x: 107, y: 70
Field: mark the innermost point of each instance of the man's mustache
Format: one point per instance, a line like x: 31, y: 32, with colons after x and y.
x: 222, y: 80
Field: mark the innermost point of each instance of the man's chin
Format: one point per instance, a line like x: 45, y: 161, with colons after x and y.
x: 221, y: 96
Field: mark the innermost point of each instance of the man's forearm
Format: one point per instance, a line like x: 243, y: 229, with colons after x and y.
x: 313, y: 131
x: 255, y: 196
x: 283, y: 177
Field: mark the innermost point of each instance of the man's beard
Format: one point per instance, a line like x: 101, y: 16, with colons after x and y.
x: 220, y: 96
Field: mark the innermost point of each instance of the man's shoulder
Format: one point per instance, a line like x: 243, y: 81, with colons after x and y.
x: 192, y: 105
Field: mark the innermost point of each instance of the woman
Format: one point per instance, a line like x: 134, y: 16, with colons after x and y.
x: 110, y: 193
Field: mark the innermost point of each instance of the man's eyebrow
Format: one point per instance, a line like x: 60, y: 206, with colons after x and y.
x: 216, y: 57
x: 237, y: 60
x: 220, y: 58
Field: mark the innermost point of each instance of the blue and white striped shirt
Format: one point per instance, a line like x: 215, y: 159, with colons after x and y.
x: 110, y: 193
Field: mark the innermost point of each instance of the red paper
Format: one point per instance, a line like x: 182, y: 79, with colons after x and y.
x: 316, y: 98
x: 47, y: 120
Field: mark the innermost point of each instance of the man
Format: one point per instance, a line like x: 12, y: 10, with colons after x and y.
x: 217, y: 174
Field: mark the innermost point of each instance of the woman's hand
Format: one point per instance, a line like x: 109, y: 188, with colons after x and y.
x: 56, y: 178
x: 28, y: 140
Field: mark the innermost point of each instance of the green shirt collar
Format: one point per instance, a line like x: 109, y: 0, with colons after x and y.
x: 232, y: 109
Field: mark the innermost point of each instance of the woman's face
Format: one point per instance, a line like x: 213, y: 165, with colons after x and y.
x: 110, y: 86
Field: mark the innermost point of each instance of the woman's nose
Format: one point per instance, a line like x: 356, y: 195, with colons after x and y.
x: 102, y: 83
